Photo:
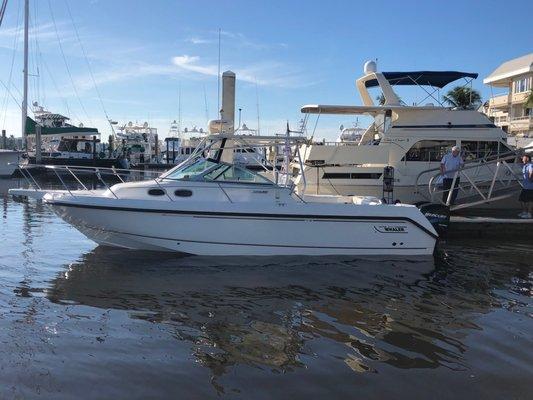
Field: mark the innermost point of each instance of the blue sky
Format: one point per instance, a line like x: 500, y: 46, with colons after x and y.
x: 298, y: 52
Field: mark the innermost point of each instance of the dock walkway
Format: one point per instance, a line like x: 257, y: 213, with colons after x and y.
x: 490, y: 227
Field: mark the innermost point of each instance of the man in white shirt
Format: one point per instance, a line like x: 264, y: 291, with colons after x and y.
x: 450, y: 163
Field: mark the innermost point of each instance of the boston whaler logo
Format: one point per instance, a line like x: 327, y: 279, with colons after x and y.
x: 391, y: 228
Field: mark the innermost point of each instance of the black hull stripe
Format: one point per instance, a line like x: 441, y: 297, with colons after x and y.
x: 260, y: 245
x: 261, y: 216
x: 446, y: 126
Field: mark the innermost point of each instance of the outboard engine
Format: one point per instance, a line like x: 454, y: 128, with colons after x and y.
x: 438, y: 215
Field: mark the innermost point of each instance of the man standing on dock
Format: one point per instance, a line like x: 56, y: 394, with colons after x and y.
x: 450, y: 163
x: 526, y: 195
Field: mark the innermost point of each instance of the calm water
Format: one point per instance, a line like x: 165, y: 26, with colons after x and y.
x: 80, y: 321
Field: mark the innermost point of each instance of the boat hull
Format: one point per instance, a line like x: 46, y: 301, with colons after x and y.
x: 8, y: 162
x: 237, y: 232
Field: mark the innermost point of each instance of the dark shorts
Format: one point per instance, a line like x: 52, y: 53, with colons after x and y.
x: 526, y: 195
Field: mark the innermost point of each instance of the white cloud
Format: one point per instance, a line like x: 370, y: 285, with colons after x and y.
x: 43, y: 33
x: 267, y: 73
x: 232, y: 38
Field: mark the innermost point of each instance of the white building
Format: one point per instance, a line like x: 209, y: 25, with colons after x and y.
x: 509, y: 109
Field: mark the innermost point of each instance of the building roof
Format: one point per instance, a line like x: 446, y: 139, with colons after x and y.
x: 502, y: 75
x: 423, y: 78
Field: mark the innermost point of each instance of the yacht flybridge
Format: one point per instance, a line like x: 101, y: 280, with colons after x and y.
x: 209, y: 205
x: 411, y: 139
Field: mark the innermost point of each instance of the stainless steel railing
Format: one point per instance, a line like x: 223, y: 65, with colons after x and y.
x: 477, y: 182
x: 72, y: 178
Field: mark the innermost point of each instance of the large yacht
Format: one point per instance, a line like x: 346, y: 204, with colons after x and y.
x: 411, y: 139
x: 65, y: 144
x: 139, y: 141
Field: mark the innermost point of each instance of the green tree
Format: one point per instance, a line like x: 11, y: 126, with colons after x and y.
x: 529, y: 100
x: 381, y: 99
x: 462, y: 97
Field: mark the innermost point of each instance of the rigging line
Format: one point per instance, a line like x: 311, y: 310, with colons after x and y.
x: 66, y: 64
x: 37, y: 81
x: 34, y: 81
x: 11, y: 94
x: 10, y: 80
x: 63, y: 99
x: 87, y: 61
x: 3, y: 11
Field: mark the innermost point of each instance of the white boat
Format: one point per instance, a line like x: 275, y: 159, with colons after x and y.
x: 9, y: 161
x: 180, y: 144
x: 139, y: 141
x: 411, y: 139
x: 208, y: 206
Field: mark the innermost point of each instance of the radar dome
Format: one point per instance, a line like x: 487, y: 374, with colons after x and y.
x: 370, y: 66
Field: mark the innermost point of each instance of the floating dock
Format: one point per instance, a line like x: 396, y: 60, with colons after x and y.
x: 490, y: 227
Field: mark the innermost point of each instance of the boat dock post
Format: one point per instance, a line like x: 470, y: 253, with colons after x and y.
x: 38, y: 154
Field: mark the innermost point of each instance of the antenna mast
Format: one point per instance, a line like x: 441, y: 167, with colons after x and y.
x: 179, y: 108
x: 218, y: 75
x: 206, y: 108
x: 257, y: 105
x: 25, y: 71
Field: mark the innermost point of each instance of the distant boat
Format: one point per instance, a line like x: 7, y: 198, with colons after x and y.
x: 139, y: 142
x: 9, y: 160
x: 66, y: 144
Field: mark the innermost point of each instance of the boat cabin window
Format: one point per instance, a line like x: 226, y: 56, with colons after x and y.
x: 199, y: 167
x: 209, y: 170
x: 428, y: 150
x: 232, y: 173
x: 473, y: 150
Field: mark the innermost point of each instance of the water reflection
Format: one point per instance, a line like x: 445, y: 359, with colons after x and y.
x: 261, y: 313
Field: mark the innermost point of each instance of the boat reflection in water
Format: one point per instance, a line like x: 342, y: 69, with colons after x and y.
x: 329, y: 313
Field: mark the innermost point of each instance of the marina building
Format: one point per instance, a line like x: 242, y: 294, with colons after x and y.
x: 509, y: 110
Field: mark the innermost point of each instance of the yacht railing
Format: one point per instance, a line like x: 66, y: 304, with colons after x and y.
x: 477, y: 182
x: 72, y: 178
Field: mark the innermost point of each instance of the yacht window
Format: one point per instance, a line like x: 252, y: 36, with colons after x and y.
x: 473, y: 150
x: 428, y: 150
x: 351, y: 175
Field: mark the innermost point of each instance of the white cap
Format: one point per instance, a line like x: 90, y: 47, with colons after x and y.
x: 456, y: 148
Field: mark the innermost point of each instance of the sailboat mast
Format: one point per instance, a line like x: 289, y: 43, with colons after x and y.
x: 25, y: 71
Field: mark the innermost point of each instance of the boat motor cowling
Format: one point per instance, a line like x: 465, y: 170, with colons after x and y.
x: 438, y: 215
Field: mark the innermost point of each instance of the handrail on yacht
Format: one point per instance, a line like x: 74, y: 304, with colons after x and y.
x: 472, y: 186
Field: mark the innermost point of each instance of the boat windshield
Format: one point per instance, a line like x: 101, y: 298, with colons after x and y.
x: 209, y: 170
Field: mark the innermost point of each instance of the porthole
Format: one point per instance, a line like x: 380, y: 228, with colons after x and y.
x: 183, y: 193
x: 156, y: 192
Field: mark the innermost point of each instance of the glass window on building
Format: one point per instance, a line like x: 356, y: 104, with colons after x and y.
x: 428, y: 150
x: 522, y: 85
